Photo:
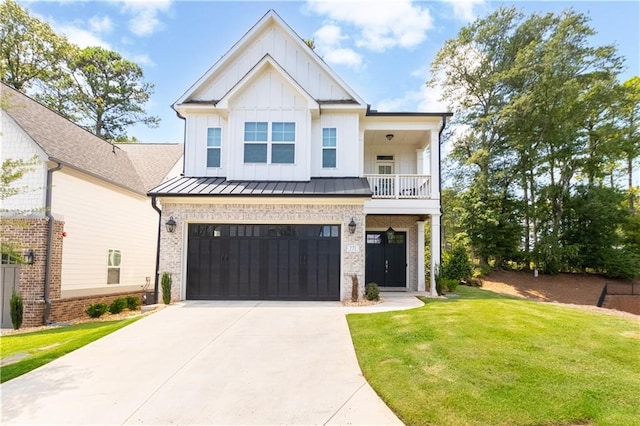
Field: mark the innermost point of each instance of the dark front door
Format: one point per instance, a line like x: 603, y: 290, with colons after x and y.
x: 263, y: 262
x: 386, y: 263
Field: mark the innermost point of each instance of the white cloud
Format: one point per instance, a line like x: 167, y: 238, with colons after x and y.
x: 424, y: 99
x: 141, y: 59
x: 328, y: 40
x: 144, y: 15
x: 79, y: 36
x: 464, y: 10
x: 380, y: 25
x: 346, y: 57
x: 100, y: 24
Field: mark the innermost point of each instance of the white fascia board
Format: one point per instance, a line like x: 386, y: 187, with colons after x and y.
x: 418, y: 207
x: 194, y: 108
x: 400, y: 125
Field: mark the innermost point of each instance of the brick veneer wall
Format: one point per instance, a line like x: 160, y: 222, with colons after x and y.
x: 74, y: 307
x: 623, y: 297
x: 352, y: 256
x: 32, y: 233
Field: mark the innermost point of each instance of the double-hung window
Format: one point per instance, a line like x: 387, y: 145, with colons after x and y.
x: 114, y: 259
x: 328, y: 147
x: 283, y: 137
x: 259, y: 148
x: 255, y: 142
x: 214, y: 144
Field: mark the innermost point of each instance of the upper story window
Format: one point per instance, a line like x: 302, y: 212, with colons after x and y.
x: 328, y: 147
x: 283, y: 137
x: 255, y: 132
x: 214, y: 144
x: 257, y: 141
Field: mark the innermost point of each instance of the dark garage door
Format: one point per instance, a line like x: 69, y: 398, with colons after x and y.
x: 263, y: 262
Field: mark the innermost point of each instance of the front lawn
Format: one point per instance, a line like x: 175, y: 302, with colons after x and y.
x: 31, y: 350
x: 485, y: 359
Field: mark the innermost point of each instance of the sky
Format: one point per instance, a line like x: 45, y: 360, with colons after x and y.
x: 381, y: 49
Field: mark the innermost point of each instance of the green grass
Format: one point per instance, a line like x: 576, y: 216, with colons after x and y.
x: 41, y: 347
x: 487, y: 359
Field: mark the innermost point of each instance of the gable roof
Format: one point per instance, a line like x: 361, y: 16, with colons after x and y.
x: 69, y: 144
x: 270, y: 17
x: 153, y: 160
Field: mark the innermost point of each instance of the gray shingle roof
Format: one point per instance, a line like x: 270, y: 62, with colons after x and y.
x: 71, y: 145
x: 153, y: 161
x: 210, y: 186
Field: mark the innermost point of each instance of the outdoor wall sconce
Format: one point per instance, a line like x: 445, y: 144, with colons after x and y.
x: 171, y: 225
x: 389, y: 137
x: 29, y: 257
x: 390, y: 234
x: 352, y: 226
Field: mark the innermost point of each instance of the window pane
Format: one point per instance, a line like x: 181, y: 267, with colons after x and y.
x: 113, y: 276
x: 255, y: 131
x: 283, y: 132
x: 213, y: 157
x: 283, y: 153
x: 328, y: 157
x: 213, y: 136
x: 329, y: 137
x: 255, y: 152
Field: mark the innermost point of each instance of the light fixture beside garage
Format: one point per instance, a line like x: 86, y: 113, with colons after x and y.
x: 29, y: 257
x: 171, y: 225
x: 352, y: 226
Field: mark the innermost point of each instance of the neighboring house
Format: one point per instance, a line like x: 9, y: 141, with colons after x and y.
x: 292, y: 185
x: 103, y: 236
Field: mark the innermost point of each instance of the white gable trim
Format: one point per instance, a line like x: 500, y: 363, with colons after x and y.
x: 257, y: 69
x: 269, y: 17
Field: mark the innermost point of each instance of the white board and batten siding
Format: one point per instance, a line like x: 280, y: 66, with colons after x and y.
x: 99, y: 216
x: 17, y: 145
x: 348, y: 145
x: 195, y: 154
x: 293, y: 56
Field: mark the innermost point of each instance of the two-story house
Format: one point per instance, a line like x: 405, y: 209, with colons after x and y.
x: 292, y: 185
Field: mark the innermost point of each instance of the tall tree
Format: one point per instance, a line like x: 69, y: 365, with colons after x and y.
x: 29, y: 48
x: 109, y: 92
x: 629, y: 136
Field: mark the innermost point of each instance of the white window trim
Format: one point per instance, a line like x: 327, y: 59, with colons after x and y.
x: 270, y: 142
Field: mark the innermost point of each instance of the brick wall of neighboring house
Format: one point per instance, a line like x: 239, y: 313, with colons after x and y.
x: 32, y: 233
x: 74, y: 307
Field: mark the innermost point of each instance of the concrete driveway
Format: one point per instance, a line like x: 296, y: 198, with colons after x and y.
x: 210, y: 363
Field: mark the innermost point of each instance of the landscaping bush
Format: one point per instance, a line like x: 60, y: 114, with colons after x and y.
x: 118, y: 305
x: 96, y: 310
x: 132, y: 303
x: 456, y: 264
x: 166, y: 287
x: 451, y: 284
x: 16, y: 308
x: 372, y: 291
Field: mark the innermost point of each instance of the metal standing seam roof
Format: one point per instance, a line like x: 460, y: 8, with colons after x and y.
x: 212, y: 186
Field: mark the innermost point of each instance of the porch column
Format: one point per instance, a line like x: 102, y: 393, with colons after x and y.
x: 421, y: 272
x: 434, y: 169
x: 435, y: 251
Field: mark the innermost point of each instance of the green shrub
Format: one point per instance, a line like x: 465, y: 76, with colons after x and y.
x: 451, y: 284
x: 132, y: 302
x: 118, y: 305
x: 166, y: 287
x: 96, y: 310
x: 16, y: 308
x: 372, y: 291
x: 456, y: 264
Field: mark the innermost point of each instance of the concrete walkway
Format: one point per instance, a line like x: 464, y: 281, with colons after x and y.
x: 210, y: 363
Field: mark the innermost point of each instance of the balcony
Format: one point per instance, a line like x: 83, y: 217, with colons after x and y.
x: 416, y: 187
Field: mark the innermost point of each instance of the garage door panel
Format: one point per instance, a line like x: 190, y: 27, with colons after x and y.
x: 276, y: 262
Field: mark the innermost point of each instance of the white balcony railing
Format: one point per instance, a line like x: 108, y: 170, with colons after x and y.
x: 400, y: 186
